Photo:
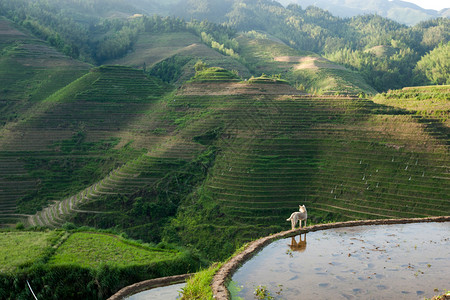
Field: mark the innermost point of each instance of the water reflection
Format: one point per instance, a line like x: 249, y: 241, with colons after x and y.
x: 299, y: 246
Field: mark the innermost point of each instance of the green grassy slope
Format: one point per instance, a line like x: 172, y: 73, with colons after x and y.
x: 263, y: 54
x: 430, y: 102
x: 74, y: 265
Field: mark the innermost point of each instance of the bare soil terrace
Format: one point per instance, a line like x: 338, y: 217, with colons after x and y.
x: 309, y: 62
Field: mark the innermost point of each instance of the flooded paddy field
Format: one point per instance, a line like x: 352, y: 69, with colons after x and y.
x: 402, y: 261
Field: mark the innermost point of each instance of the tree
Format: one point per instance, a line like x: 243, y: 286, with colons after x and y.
x: 435, y: 66
x: 199, y: 66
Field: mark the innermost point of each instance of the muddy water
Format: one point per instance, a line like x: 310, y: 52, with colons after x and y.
x: 405, y: 261
x: 170, y: 292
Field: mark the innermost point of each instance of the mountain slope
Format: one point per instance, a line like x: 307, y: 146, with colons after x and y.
x: 345, y: 158
x: 30, y: 70
x: 218, y: 161
x: 302, y: 69
x: 102, y: 37
x: 258, y: 53
x: 76, y: 136
x: 174, y: 55
x: 341, y: 40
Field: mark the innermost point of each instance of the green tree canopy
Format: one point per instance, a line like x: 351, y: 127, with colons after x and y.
x: 435, y: 66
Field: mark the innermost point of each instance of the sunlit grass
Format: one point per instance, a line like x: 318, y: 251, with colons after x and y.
x: 199, y: 286
x: 23, y: 248
x: 88, y: 249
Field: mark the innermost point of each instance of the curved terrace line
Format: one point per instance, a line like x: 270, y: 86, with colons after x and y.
x: 149, y: 284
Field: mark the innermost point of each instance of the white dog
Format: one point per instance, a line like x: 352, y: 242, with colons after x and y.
x: 300, y: 215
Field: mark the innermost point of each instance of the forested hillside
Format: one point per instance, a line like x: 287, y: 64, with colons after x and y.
x: 346, y: 41
x: 401, y: 11
x: 383, y: 51
x: 206, y: 129
x: 435, y: 65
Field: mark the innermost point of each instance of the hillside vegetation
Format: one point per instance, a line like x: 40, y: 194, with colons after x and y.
x: 435, y: 65
x: 101, y: 31
x: 304, y: 70
x: 81, y: 265
x: 344, y: 41
x: 172, y: 56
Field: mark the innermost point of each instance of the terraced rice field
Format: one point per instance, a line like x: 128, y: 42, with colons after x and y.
x: 430, y: 102
x: 344, y: 158
x: 30, y: 71
x: 118, y: 103
x: 80, y: 126
x: 153, y: 48
x: 132, y: 176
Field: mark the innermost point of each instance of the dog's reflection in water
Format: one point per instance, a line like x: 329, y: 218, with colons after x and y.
x: 299, y: 246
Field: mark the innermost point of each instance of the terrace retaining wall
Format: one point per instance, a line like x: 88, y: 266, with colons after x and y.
x: 148, y: 284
